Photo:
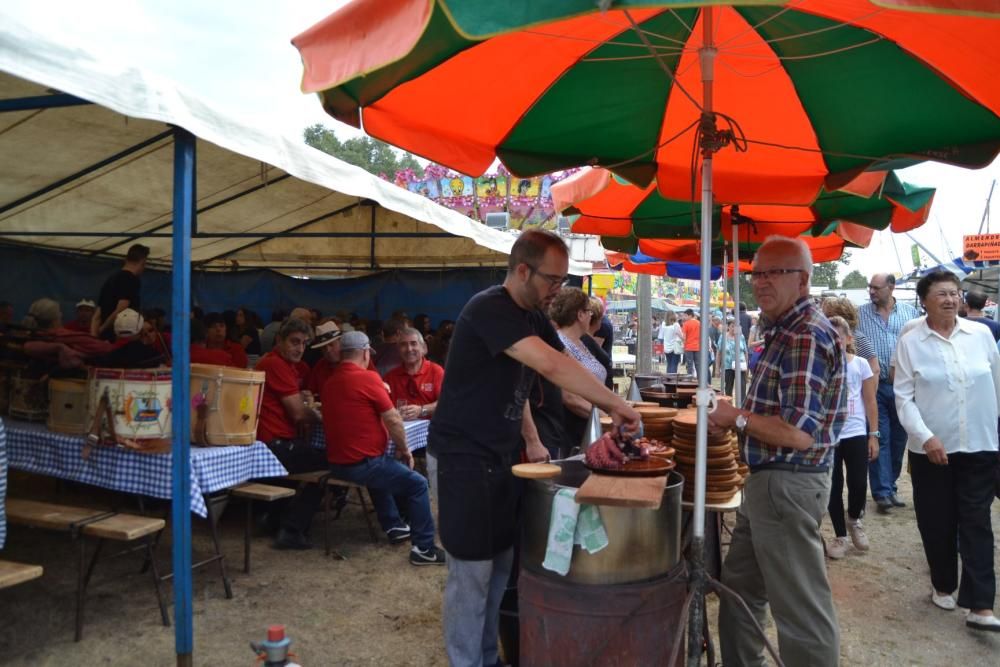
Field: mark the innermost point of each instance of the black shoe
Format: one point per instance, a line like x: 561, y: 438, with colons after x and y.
x: 432, y: 556
x: 884, y: 505
x: 398, y: 534
x: 292, y: 540
x: 896, y: 502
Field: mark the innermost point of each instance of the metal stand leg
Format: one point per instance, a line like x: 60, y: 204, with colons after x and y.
x: 364, y: 510
x: 216, y: 505
x: 150, y: 543
x: 247, y: 531
x: 84, y: 571
x: 327, y: 521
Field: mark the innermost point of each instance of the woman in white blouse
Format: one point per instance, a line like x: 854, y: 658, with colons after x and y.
x: 947, y: 386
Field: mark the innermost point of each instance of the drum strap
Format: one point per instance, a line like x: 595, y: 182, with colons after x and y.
x: 200, y: 435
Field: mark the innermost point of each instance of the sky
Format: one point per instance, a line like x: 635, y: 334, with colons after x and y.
x: 238, y: 54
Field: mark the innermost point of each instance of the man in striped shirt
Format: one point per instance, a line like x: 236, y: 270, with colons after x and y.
x: 790, y: 421
x: 881, y: 321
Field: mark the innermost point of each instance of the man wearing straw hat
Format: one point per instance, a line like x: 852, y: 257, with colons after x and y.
x: 790, y: 421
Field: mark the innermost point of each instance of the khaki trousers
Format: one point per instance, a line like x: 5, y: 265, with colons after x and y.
x: 776, y: 557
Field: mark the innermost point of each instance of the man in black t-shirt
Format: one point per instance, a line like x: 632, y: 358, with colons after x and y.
x: 502, y: 341
x: 119, y: 292
x: 976, y: 301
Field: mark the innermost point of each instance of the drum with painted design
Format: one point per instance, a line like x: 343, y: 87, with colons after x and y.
x: 68, y: 406
x: 139, y: 399
x: 231, y: 399
x: 29, y: 397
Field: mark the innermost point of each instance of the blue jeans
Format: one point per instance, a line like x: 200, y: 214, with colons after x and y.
x: 884, y: 471
x: 385, y: 477
x: 691, y: 362
x: 673, y: 361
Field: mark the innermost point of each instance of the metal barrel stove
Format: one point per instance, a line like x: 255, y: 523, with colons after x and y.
x: 620, y: 606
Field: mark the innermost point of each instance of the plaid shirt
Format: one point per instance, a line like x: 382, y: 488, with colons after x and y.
x: 882, y: 334
x: 800, y: 377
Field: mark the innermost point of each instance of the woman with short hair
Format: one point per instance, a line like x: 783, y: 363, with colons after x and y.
x: 947, y: 387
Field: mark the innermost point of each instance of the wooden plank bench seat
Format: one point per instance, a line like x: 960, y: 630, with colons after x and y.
x: 330, y: 513
x: 102, y: 525
x: 12, y: 574
x: 252, y: 491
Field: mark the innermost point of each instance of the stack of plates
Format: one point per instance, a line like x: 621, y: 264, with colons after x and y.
x: 723, y: 473
x: 657, y: 423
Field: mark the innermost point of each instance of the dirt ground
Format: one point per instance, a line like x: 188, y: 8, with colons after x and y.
x: 376, y: 609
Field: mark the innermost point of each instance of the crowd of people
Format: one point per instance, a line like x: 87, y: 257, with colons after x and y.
x: 837, y: 395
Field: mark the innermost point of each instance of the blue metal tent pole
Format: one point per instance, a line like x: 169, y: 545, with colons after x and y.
x: 184, y: 212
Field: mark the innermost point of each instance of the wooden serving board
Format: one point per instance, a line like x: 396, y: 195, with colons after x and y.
x: 622, y: 491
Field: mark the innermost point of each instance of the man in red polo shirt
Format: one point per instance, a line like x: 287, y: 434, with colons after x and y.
x: 358, y: 418
x: 328, y: 340
x: 416, y: 384
x: 215, y: 339
x: 283, y: 416
x: 692, y: 341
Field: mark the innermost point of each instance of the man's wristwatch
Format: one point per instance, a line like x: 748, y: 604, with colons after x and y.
x: 423, y: 410
x: 742, y: 421
x: 875, y: 433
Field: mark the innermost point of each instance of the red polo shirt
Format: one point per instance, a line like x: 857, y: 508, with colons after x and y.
x: 421, y: 388
x: 281, y: 378
x: 353, y: 402
x: 318, y: 376
x: 202, y: 355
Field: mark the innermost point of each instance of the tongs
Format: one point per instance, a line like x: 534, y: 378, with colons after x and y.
x: 626, y: 442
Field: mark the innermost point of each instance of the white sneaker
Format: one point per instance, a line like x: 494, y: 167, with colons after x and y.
x: 946, y: 602
x: 857, y: 533
x: 837, y: 548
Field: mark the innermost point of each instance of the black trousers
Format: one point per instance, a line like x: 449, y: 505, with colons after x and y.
x: 297, y: 456
x: 730, y: 376
x: 850, y: 453
x: 952, y: 503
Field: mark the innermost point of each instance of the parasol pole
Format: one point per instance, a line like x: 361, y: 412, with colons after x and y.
x: 738, y: 376
x: 705, y: 395
x: 725, y: 323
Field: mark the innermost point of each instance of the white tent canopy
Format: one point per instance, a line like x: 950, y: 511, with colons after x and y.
x: 97, y: 177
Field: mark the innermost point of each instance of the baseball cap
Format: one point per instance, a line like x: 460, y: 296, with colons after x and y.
x: 128, y: 323
x: 355, y: 340
x: 326, y: 333
x: 85, y: 303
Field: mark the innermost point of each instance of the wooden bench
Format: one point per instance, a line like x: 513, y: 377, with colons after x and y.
x: 263, y: 493
x: 12, y: 574
x: 102, y: 525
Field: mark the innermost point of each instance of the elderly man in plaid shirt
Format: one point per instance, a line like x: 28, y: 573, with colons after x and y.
x: 789, y: 425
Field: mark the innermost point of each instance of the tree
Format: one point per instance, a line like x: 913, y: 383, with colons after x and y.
x: 746, y: 294
x: 372, y: 155
x: 825, y: 275
x: 854, y: 280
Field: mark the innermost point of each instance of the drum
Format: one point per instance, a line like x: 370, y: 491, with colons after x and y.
x: 68, y: 406
x: 29, y: 398
x: 230, y: 398
x: 7, y: 371
x: 139, y: 400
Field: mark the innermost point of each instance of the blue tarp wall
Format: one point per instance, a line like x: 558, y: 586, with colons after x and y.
x: 28, y: 273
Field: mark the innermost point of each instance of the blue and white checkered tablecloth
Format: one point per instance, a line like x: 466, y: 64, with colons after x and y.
x: 416, y: 437
x: 33, y: 448
x: 3, y: 484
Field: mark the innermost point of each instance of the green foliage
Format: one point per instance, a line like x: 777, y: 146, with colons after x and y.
x: 825, y: 275
x: 746, y: 293
x: 854, y: 280
x: 372, y: 155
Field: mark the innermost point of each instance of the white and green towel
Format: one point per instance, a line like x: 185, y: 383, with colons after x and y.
x: 572, y: 524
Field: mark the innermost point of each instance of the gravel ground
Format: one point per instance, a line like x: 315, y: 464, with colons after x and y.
x: 376, y: 609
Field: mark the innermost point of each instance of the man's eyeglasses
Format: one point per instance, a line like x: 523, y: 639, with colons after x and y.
x: 771, y: 274
x: 554, y: 281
